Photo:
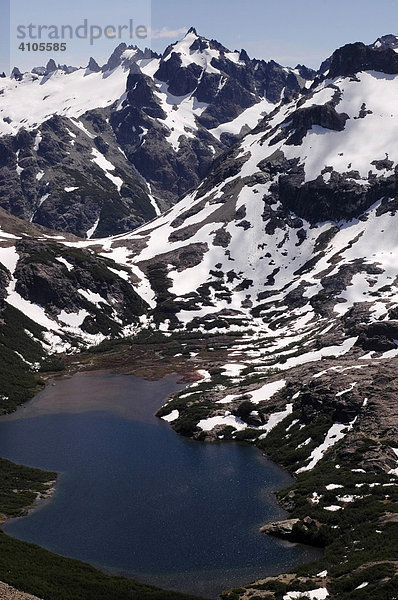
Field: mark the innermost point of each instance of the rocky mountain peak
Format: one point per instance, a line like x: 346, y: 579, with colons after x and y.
x: 192, y: 43
x: 386, y: 41
x: 93, y: 66
x: 243, y: 55
x: 170, y: 115
x: 51, y: 66
x: 115, y: 58
x: 16, y: 74
x: 353, y: 58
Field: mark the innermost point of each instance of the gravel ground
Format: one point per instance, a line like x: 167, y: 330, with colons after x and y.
x: 9, y: 593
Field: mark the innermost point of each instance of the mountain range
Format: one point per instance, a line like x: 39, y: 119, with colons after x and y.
x: 114, y: 146
x: 205, y: 195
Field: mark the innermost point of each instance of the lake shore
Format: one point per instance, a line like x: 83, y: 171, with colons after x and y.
x: 337, y: 469
x: 33, y: 408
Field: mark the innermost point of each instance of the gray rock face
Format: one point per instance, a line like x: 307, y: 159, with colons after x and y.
x: 305, y: 118
x: 380, y: 336
x: 171, y: 174
x: 39, y: 71
x: 352, y: 58
x: 115, y: 58
x: 93, y: 66
x: 51, y: 66
x: 227, y: 88
x: 44, y: 280
x: 280, y: 529
x: 386, y: 41
x: 317, y: 397
x: 61, y: 184
x: 16, y: 74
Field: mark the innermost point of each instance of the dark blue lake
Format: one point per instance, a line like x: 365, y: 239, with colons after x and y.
x: 135, y: 498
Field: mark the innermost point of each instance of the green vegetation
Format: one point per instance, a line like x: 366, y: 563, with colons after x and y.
x: 286, y: 451
x: 17, y: 382
x: 52, y: 577
x: 356, y: 537
x: 345, y: 588
x: 360, y: 545
x: 52, y: 364
x: 244, y: 409
x: 20, y: 486
x: 360, y: 539
x: 166, y: 308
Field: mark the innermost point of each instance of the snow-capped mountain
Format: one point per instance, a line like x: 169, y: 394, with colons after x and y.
x: 102, y: 150
x: 385, y: 42
x: 201, y: 96
x: 60, y: 169
x: 275, y: 277
x: 300, y: 215
x: 290, y: 234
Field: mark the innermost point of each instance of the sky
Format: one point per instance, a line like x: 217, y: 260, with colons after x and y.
x: 288, y: 31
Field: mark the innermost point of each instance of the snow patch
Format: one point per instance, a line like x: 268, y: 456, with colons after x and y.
x: 225, y: 420
x: 173, y: 416
x: 267, y: 391
x: 318, y: 594
x: 335, y: 434
x: 106, y: 166
x: 90, y: 232
x: 275, y: 419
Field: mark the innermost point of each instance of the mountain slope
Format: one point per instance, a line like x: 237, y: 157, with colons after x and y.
x: 201, y: 97
x: 55, y: 297
x: 146, y: 126
x: 290, y: 193
x: 293, y: 217
x: 289, y: 242
x: 281, y: 266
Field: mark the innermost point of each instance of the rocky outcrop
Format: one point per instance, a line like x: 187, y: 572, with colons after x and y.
x: 51, y: 66
x: 280, y: 529
x: 93, y: 66
x: 353, y: 58
x: 60, y: 182
x: 317, y: 398
x: 86, y: 282
x: 380, y: 336
x: 304, y: 118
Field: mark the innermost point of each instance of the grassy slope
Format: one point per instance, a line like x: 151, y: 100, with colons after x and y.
x: 20, y: 486
x: 360, y: 546
x: 52, y: 577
